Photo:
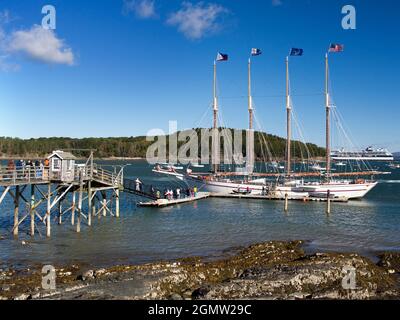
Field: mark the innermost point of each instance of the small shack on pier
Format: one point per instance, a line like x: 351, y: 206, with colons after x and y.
x: 62, y: 166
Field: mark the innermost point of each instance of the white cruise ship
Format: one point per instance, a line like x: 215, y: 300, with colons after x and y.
x: 369, y: 154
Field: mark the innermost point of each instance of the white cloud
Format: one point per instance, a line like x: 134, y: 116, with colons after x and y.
x: 144, y: 9
x: 40, y: 44
x: 195, y: 21
x: 277, y: 3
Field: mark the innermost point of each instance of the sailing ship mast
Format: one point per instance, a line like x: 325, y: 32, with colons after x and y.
x: 328, y: 129
x: 250, y: 98
x: 215, y: 119
x: 288, y: 121
x: 250, y: 133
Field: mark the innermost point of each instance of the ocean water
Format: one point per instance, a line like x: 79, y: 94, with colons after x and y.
x: 207, y: 228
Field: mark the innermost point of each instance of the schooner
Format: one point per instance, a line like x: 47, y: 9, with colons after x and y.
x: 290, y: 184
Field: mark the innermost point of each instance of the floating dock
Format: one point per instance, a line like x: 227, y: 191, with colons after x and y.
x: 165, y: 202
x: 203, y: 195
x: 273, y: 197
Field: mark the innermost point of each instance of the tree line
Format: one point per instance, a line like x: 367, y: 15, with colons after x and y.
x: 265, y: 145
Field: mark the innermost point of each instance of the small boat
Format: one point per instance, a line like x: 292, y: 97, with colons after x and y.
x: 394, y: 166
x: 196, y: 165
x: 242, y: 191
x: 340, y: 164
x: 167, y: 170
x: 317, y: 167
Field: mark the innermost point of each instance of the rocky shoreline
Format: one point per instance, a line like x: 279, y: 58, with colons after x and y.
x: 270, y: 270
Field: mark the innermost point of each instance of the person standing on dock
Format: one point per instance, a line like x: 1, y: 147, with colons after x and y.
x: 38, y: 169
x: 195, y: 191
x: 28, y: 167
x: 138, y: 184
x: 10, y: 171
x: 46, y: 169
x: 178, y: 193
x: 18, y: 166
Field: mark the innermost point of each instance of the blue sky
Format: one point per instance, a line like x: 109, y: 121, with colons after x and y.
x: 121, y: 68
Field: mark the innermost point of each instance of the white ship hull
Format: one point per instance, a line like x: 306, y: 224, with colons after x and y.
x: 340, y: 189
x: 335, y: 189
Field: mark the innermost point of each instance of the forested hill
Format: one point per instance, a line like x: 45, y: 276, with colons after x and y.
x: 132, y: 147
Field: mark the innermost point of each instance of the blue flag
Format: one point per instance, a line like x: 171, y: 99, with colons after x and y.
x: 296, y: 52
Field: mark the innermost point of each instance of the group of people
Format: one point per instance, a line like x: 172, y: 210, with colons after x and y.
x: 169, y: 194
x: 25, y: 169
x: 178, y: 193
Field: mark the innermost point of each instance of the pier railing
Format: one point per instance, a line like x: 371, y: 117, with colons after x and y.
x: 40, y: 174
x: 105, y: 176
x: 26, y: 175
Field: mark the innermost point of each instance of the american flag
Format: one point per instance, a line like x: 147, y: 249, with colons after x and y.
x: 334, y: 47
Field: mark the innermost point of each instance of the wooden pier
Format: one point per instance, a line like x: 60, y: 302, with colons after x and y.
x: 166, y: 202
x: 89, y: 190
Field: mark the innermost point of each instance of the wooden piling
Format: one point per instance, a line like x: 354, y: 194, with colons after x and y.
x: 48, y: 227
x: 328, y: 202
x: 104, y: 194
x: 73, y: 207
x: 117, y: 203
x: 93, y: 206
x: 32, y: 210
x: 286, y: 202
x: 78, y: 224
x: 89, y: 213
x: 60, y: 207
x: 16, y: 211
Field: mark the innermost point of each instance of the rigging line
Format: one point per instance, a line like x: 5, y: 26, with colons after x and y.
x: 300, y: 132
x: 264, y: 136
x: 198, y: 125
x: 347, y: 132
x: 352, y: 144
x: 342, y: 131
x: 229, y: 141
x: 341, y: 136
x: 261, y: 137
x: 340, y: 122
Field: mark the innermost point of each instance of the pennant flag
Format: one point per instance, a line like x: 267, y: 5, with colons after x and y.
x: 222, y: 57
x: 255, y: 52
x: 334, y: 47
x: 296, y: 52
